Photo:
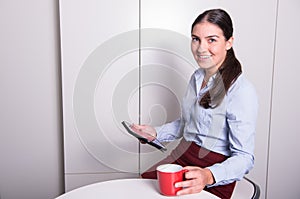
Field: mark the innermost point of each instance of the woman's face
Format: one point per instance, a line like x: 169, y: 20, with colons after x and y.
x: 209, y: 46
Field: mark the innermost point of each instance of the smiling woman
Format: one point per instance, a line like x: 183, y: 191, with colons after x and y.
x: 211, y: 46
x: 218, y: 117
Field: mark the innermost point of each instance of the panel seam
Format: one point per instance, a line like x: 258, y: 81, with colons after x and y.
x: 271, y: 98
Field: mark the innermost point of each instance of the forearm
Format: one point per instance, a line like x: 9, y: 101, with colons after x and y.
x: 232, y: 169
x: 170, y: 131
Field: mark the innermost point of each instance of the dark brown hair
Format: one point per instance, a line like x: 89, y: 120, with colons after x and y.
x: 230, y: 69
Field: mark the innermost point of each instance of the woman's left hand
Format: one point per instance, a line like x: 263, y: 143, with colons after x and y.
x: 196, y: 179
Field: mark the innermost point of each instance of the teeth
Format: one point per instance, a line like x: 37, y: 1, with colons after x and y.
x: 204, y: 56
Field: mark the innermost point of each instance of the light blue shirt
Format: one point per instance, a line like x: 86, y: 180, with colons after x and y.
x: 228, y: 129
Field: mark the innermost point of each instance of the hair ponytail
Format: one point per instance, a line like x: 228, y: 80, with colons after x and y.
x: 225, y: 77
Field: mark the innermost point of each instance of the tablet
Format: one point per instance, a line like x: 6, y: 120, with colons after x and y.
x: 155, y: 143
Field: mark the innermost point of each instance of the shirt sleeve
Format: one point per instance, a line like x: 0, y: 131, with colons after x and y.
x: 241, y: 118
x: 169, y: 131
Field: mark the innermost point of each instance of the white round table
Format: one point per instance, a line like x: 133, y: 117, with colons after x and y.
x: 126, y: 188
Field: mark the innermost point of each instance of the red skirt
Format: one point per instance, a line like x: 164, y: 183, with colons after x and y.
x: 190, y: 154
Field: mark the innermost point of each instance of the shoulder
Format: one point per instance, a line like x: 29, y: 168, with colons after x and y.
x: 242, y: 93
x: 242, y: 100
x: 242, y: 86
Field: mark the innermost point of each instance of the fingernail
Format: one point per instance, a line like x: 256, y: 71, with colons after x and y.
x: 176, y: 185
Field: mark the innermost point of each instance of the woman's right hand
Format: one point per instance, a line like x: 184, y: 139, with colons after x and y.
x: 145, y: 131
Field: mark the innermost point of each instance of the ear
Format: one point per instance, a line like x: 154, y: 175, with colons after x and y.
x: 229, y: 43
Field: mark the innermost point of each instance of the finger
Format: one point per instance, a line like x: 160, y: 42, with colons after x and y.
x: 189, y: 190
x: 191, y: 174
x: 190, y: 168
x: 145, y: 129
x: 186, y: 183
x: 184, y: 191
x: 189, y: 186
x: 136, y: 126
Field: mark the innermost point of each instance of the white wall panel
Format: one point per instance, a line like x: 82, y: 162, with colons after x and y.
x: 284, y: 163
x: 30, y: 121
x: 254, y: 33
x: 99, y: 75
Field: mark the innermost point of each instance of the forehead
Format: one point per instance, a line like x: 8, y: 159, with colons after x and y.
x: 205, y: 29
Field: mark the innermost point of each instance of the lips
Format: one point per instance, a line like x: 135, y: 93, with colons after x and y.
x: 204, y: 57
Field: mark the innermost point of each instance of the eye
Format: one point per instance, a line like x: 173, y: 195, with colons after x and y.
x: 211, y: 40
x: 195, y: 39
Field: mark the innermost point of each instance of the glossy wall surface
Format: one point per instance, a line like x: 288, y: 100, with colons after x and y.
x: 99, y: 75
x: 284, y: 163
x: 31, y: 151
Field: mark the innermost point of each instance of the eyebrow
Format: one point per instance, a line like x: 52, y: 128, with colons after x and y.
x: 210, y: 36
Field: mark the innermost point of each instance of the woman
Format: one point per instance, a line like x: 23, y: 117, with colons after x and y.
x: 218, y: 117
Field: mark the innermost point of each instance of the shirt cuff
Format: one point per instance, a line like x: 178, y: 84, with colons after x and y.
x: 219, y: 174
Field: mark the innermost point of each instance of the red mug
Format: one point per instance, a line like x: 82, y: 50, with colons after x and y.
x: 168, y: 175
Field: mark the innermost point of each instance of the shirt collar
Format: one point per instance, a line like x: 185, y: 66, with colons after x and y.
x: 199, y: 76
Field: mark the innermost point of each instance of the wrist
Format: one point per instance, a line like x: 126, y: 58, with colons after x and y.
x: 210, y: 177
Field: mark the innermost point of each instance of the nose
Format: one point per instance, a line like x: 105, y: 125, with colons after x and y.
x: 202, y: 47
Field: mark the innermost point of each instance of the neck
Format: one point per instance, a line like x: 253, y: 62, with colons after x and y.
x: 207, y: 76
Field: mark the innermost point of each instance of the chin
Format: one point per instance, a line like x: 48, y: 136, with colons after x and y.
x: 205, y: 66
